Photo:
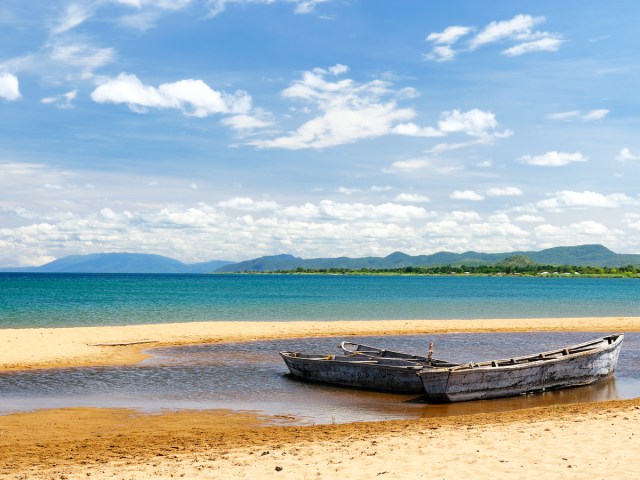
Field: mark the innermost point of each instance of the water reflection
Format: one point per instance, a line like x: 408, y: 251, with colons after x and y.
x: 251, y: 376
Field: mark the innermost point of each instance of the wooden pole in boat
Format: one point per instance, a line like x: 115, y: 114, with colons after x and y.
x: 430, y: 356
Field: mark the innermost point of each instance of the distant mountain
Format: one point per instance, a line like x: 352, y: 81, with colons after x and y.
x: 121, y: 263
x: 582, y: 255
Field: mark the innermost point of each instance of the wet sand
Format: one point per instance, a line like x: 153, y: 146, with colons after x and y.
x: 591, y: 440
x: 595, y: 440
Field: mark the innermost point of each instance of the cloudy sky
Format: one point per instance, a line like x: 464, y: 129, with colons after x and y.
x: 231, y: 129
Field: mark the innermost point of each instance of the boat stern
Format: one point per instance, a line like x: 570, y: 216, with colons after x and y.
x: 435, y: 381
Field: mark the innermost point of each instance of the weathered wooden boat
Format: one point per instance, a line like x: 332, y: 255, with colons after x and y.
x: 351, y: 348
x: 384, y: 374
x: 571, y: 366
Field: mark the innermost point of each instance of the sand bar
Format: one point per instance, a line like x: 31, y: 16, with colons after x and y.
x: 32, y: 348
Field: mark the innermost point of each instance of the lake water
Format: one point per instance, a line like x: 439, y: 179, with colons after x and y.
x: 58, y: 300
x: 252, y: 377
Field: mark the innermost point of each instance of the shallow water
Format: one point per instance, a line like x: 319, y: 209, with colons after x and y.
x: 251, y: 376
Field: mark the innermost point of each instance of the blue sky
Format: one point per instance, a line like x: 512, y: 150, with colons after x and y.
x: 231, y: 129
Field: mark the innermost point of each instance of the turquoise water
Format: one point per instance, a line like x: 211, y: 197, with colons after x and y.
x: 58, y: 300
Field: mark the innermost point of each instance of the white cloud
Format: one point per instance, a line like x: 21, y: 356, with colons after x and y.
x: 63, y: 101
x: 246, y: 122
x: 246, y: 203
x: 504, y: 192
x: 410, y: 165
x: 578, y: 115
x: 475, y: 123
x: 62, y: 59
x: 307, y: 6
x: 191, y: 97
x: 347, y: 191
x: 632, y: 220
x: 301, y: 6
x: 580, y: 200
x: 411, y: 198
x: 449, y: 35
x: 330, y: 211
x: 243, y: 228
x: 31, y: 183
x: 161, y: 4
x: 466, y: 195
x: 441, y: 53
x: 75, y: 14
x: 564, y: 115
x: 587, y: 231
x: 388, y: 211
x: 625, y: 155
x: 83, y: 56
x: 548, y: 44
x: 442, y: 50
x: 463, y: 216
x: 22, y: 169
x: 381, y: 188
x: 148, y: 12
x: 440, y: 166
x: 9, y: 87
x: 347, y: 111
x: 413, y: 130
x: 519, y: 27
x: 553, y: 159
x: 595, y: 115
x: 338, y: 69
x: 529, y: 218
x: 519, y: 30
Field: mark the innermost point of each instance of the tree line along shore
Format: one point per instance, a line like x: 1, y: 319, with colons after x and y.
x: 629, y: 271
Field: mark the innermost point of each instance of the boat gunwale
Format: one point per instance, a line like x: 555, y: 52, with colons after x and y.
x: 537, y: 359
x: 403, y: 364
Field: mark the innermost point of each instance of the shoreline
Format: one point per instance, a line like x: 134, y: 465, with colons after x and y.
x: 73, y: 443
x: 41, y: 348
x: 557, y: 441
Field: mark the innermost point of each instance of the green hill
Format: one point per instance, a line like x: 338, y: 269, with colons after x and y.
x: 581, y: 255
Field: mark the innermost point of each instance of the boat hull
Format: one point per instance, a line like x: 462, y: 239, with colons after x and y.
x: 371, y: 375
x: 556, y: 370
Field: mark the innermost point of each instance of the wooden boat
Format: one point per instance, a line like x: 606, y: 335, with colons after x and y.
x: 384, y: 374
x: 576, y: 365
x: 351, y: 348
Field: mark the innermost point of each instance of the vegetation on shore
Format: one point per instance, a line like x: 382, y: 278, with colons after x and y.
x: 516, y: 265
x: 471, y: 271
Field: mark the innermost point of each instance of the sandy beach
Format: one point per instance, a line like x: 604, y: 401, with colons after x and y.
x: 593, y: 440
x: 32, y: 348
